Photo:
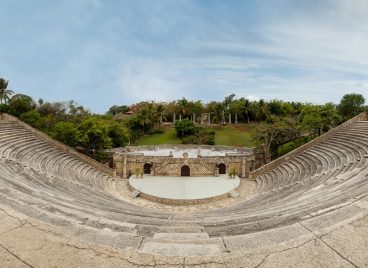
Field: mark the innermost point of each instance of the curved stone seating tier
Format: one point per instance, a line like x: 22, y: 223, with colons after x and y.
x: 40, y: 181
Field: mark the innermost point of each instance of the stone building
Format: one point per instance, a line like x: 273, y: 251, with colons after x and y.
x: 184, y: 160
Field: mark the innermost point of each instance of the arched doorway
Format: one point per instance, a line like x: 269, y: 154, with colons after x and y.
x: 185, y: 171
x: 147, y: 168
x: 222, y: 168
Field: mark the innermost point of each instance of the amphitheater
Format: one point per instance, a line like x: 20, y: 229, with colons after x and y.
x: 61, y: 209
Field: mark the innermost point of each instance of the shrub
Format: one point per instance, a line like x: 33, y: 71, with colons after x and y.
x: 184, y: 128
x: 31, y: 117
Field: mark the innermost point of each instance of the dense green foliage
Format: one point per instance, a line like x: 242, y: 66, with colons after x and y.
x: 200, y: 136
x: 280, y: 125
x: 4, y: 92
x: 184, y: 128
x: 351, y: 105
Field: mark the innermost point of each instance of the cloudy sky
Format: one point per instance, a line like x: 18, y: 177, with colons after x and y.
x: 100, y: 52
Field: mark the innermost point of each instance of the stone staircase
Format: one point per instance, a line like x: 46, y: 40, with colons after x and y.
x: 134, y: 193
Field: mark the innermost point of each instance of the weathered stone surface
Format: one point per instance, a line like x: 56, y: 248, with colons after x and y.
x: 181, y: 236
x: 351, y: 241
x: 58, y: 211
x: 9, y: 260
x: 311, y: 254
x: 176, y: 249
x: 267, y: 238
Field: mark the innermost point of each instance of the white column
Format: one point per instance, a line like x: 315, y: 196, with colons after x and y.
x: 243, y: 167
x: 229, y: 118
x: 125, y: 167
x: 174, y: 118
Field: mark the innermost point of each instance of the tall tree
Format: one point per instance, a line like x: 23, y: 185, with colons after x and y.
x: 351, y: 105
x: 261, y: 110
x: 246, y: 108
x: 275, y: 134
x: 160, y: 112
x: 21, y: 103
x: 184, y: 107
x: 4, y: 92
x: 228, y: 100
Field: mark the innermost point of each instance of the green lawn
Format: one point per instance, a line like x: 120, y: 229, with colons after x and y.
x: 169, y: 137
x: 234, y: 135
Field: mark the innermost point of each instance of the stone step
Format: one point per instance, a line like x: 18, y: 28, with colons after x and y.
x: 181, y: 236
x: 134, y: 193
x: 177, y: 249
x: 182, y: 228
x: 233, y: 194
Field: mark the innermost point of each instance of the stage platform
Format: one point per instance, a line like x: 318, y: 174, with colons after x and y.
x: 184, y: 188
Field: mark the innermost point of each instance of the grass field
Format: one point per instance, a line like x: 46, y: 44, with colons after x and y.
x: 169, y: 137
x: 234, y: 135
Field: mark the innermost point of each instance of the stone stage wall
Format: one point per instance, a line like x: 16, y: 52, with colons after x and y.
x: 127, y: 163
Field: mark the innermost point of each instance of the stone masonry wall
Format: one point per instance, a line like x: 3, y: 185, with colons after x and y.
x: 126, y: 164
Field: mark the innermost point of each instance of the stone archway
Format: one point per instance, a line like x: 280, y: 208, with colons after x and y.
x: 185, y: 171
x: 147, y: 168
x: 222, y: 168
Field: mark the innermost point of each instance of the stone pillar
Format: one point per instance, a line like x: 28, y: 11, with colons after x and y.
x: 243, y: 168
x: 201, y: 119
x: 160, y: 119
x: 179, y: 117
x: 229, y: 119
x: 125, y: 167
x: 209, y: 118
x: 194, y: 118
x: 174, y: 118
x: 236, y: 118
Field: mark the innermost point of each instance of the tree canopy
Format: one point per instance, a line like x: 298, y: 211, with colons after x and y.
x: 351, y: 105
x: 279, y: 121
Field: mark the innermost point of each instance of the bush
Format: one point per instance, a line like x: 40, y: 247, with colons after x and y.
x: 4, y: 108
x: 31, y: 117
x: 188, y: 140
x: 184, y: 128
x: 201, y: 136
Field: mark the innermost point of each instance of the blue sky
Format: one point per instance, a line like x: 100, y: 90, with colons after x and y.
x: 101, y: 53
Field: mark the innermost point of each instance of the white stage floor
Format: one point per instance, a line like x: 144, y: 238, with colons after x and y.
x: 184, y: 187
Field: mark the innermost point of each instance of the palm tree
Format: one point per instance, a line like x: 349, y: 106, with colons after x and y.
x: 262, y: 112
x: 160, y: 111
x: 4, y: 92
x: 246, y: 108
x: 144, y: 119
x: 183, y: 107
x: 218, y: 113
